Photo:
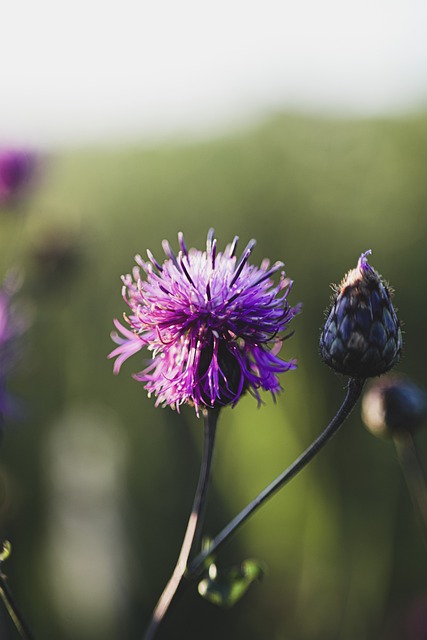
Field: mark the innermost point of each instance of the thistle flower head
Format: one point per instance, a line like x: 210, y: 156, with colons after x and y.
x: 361, y: 336
x: 213, y: 324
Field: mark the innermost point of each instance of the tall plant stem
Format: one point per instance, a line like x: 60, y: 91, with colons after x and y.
x: 6, y: 594
x: 13, y: 611
x: 193, y: 533
x: 412, y: 468
x: 354, y: 389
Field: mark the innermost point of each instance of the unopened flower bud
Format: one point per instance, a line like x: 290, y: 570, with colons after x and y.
x: 361, y: 337
x: 393, y: 405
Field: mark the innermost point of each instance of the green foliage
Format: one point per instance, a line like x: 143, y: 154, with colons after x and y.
x: 345, y: 557
x: 225, y: 587
x: 6, y: 551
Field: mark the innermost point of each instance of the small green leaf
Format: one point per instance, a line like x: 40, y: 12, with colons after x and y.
x: 210, y: 559
x: 6, y: 551
x: 225, y: 587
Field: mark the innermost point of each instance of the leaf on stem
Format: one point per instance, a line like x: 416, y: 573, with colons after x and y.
x: 225, y: 587
x: 6, y: 551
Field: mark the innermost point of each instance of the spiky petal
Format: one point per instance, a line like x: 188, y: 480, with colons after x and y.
x: 214, y: 325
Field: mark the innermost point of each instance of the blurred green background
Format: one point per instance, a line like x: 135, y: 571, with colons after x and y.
x: 97, y: 484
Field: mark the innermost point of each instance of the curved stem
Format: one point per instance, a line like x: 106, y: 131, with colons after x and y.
x: 192, y: 537
x: 354, y: 390
x: 13, y: 611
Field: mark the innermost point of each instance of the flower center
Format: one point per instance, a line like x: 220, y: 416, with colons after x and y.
x: 220, y: 375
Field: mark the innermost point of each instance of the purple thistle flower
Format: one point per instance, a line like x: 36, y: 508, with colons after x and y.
x: 17, y: 168
x: 212, y: 324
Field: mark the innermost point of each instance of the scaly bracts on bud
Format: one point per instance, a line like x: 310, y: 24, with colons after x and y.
x: 361, y: 337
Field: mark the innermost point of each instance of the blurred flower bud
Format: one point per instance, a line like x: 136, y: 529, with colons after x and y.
x: 57, y: 255
x: 361, y: 337
x: 393, y: 405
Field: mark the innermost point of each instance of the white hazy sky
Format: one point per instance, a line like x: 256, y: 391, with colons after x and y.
x: 88, y: 70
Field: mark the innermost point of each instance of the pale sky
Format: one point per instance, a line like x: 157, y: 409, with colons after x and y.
x: 91, y: 70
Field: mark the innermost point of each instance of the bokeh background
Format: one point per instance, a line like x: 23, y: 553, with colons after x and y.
x: 319, y: 155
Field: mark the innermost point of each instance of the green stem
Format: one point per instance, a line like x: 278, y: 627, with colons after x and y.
x: 410, y: 462
x: 13, y: 611
x: 354, y: 390
x: 5, y: 592
x: 178, y: 582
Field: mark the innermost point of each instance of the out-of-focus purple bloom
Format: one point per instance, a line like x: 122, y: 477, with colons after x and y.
x: 17, y: 169
x: 214, y: 325
x: 13, y: 323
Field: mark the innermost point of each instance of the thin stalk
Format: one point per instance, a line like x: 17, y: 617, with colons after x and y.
x: 5, y: 593
x: 177, y: 582
x: 410, y: 462
x: 13, y: 611
x: 354, y: 390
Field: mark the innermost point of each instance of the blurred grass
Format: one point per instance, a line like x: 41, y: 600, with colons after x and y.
x: 345, y: 557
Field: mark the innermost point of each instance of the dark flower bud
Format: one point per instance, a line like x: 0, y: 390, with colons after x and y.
x: 393, y: 405
x: 361, y: 337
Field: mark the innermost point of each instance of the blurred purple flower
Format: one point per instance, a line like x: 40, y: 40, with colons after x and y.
x: 13, y: 324
x: 212, y: 324
x: 17, y: 168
